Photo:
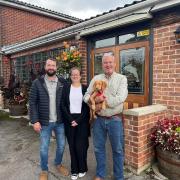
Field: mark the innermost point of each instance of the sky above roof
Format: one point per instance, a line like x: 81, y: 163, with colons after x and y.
x: 80, y: 8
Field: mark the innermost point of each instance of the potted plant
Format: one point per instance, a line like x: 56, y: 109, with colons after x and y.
x: 166, y: 138
x: 68, y: 58
x: 17, y: 103
x: 5, y: 95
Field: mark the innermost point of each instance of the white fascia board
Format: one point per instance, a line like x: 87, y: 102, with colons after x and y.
x: 38, y: 11
x: 25, y: 46
x: 116, y: 23
x: 9, y: 49
x: 164, y: 4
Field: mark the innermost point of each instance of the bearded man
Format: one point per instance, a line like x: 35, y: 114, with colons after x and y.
x: 45, y: 115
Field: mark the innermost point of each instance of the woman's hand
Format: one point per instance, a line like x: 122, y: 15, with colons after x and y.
x: 74, y: 123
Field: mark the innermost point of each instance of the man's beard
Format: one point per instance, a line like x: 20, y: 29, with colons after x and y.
x: 50, y: 73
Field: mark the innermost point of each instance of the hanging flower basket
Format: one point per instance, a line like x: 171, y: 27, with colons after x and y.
x: 68, y: 58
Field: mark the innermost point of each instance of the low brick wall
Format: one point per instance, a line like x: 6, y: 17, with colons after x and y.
x: 138, y: 123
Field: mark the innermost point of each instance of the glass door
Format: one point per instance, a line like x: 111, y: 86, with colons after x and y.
x: 133, y: 62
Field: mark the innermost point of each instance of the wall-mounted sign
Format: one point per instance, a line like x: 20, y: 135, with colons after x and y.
x: 143, y: 33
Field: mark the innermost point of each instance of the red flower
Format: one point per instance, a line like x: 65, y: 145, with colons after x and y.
x: 166, y: 135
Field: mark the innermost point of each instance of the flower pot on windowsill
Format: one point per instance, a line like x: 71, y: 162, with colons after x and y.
x: 17, y: 110
x: 168, y: 163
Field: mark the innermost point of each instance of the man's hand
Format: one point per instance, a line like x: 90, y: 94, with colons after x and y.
x: 37, y: 127
x: 74, y: 123
x: 100, y: 98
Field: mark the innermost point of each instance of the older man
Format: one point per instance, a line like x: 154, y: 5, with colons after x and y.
x: 45, y: 115
x: 109, y: 120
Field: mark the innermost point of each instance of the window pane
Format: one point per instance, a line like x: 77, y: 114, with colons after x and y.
x: 127, y: 38
x: 134, y: 37
x: 132, y: 66
x: 44, y: 56
x: 105, y: 42
x: 27, y: 68
x: 98, y: 63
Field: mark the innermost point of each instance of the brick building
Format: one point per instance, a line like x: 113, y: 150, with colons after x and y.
x: 141, y: 36
x: 21, y: 22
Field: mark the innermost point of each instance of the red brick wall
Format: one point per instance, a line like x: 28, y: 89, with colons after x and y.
x: 19, y: 25
x: 83, y: 50
x: 138, y: 149
x: 166, y: 69
x: 6, y: 69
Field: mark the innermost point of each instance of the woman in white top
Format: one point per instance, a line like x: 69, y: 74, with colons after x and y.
x: 76, y: 120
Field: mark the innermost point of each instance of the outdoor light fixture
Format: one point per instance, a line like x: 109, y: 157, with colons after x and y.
x: 177, y: 34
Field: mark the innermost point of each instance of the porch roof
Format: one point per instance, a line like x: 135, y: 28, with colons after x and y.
x: 135, y: 12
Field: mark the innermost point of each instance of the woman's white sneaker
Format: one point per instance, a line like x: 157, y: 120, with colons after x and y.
x: 74, y: 176
x: 82, y: 174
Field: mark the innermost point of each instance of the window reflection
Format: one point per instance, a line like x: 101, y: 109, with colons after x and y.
x: 105, y: 42
x: 127, y: 38
x: 132, y: 66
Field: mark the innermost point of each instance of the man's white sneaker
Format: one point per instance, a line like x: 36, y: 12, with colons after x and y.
x: 82, y: 174
x: 74, y: 176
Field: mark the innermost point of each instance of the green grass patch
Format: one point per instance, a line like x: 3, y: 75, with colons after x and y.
x: 5, y: 116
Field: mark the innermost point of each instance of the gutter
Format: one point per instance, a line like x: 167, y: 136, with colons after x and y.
x: 143, y: 7
x: 129, y: 19
x: 165, y: 4
x: 36, y: 42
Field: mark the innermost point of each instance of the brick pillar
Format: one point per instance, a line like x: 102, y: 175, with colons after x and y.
x: 138, y: 123
x: 83, y: 50
x: 166, y: 68
x: 6, y: 69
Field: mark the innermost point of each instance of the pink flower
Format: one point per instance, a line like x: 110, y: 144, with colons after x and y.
x: 166, y: 135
